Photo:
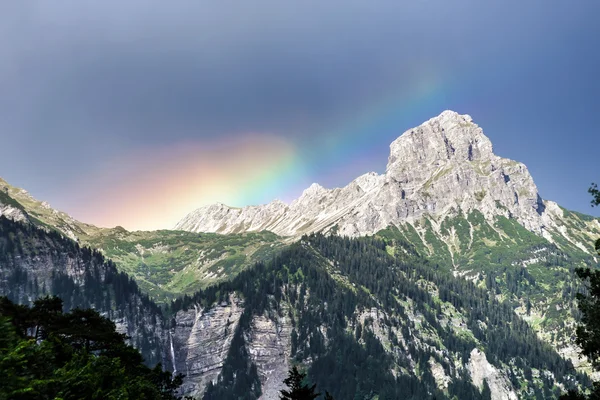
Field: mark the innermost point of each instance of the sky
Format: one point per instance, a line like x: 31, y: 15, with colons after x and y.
x: 136, y: 112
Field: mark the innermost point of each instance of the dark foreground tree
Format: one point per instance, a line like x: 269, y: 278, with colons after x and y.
x: 297, y: 389
x: 48, y: 354
x: 595, y: 192
x: 588, y: 331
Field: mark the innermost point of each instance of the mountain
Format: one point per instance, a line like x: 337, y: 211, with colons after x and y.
x: 460, y: 206
x: 368, y: 317
x: 165, y: 264
x: 367, y: 324
x: 440, y: 169
x: 447, y: 277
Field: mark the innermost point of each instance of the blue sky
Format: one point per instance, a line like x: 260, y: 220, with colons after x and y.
x: 93, y: 90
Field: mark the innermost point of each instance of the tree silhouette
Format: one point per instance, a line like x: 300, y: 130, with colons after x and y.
x: 48, y: 354
x: 297, y: 389
x: 595, y: 192
x: 588, y: 331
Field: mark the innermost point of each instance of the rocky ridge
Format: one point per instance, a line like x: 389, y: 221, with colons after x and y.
x: 288, y: 311
x: 19, y: 205
x: 440, y: 168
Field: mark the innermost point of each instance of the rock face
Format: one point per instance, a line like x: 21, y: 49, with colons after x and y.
x: 200, y: 342
x: 481, y: 370
x: 444, y: 165
x: 269, y: 346
x: 35, y: 263
x: 12, y: 213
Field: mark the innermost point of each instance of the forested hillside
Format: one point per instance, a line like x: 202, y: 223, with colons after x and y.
x: 367, y: 317
x: 36, y: 262
x: 527, y: 271
x: 368, y: 324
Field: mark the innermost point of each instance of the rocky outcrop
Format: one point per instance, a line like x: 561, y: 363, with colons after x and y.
x: 269, y: 345
x: 12, y: 213
x: 200, y: 341
x: 481, y: 370
x: 444, y: 165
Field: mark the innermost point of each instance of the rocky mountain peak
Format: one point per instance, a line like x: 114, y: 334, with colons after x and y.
x: 369, y: 181
x: 449, y: 137
x: 313, y: 189
x: 443, y: 167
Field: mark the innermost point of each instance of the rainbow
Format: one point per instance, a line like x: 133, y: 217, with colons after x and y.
x: 156, y: 187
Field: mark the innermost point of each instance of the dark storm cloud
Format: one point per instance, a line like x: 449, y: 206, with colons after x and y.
x: 139, y: 67
x: 83, y: 82
x: 201, y: 66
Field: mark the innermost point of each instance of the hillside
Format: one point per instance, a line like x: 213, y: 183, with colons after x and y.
x: 364, y: 322
x: 165, y: 264
x: 364, y: 315
x: 448, y: 276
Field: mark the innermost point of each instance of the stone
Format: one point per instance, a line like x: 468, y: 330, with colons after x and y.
x: 442, y: 166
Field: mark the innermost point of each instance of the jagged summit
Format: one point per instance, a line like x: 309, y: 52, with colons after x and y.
x: 446, y: 165
x: 449, y: 136
x: 442, y: 168
x: 313, y: 189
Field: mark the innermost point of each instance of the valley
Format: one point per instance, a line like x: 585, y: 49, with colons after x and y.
x: 448, y: 276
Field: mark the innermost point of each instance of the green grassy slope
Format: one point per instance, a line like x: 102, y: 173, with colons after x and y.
x: 168, y: 264
x: 531, y: 273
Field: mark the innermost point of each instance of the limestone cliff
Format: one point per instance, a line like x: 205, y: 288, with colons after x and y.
x: 440, y: 168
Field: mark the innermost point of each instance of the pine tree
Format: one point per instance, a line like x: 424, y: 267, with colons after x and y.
x: 588, y: 331
x: 297, y: 389
x: 486, y: 392
x: 48, y: 354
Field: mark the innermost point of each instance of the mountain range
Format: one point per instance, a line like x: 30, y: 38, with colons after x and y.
x: 440, y: 169
x: 447, y: 275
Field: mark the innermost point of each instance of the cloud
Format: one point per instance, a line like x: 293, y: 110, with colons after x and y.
x: 85, y: 81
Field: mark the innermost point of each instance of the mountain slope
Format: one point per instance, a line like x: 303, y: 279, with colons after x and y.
x: 367, y: 317
x: 35, y: 262
x: 17, y: 204
x: 166, y: 264
x: 367, y: 325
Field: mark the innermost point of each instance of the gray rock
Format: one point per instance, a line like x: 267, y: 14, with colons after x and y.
x: 442, y: 166
x: 201, y: 341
